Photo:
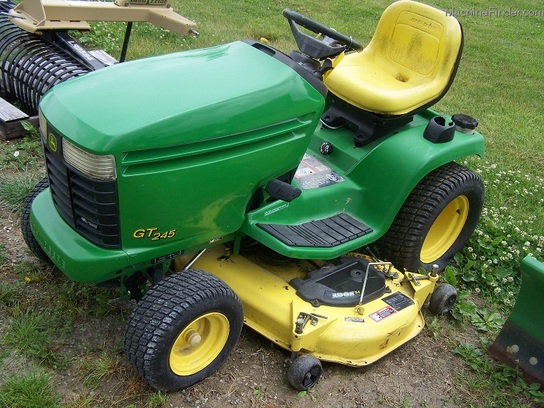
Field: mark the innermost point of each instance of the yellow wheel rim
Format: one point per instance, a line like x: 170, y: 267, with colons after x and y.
x: 199, y: 344
x: 445, y: 229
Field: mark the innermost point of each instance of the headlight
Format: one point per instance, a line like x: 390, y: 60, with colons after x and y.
x: 42, y: 123
x: 95, y: 166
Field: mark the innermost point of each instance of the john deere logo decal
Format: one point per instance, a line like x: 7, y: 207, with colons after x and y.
x: 52, y: 141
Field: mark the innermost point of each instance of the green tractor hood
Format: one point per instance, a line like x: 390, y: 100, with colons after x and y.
x: 178, y: 99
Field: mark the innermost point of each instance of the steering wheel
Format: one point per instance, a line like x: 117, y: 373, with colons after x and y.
x: 332, y: 44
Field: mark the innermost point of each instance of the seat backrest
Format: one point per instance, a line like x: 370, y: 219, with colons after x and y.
x: 417, y: 42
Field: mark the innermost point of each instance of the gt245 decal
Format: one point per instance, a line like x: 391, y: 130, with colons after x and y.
x: 153, y: 233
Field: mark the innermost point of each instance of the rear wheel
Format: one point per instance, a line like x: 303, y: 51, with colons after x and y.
x: 437, y: 219
x: 183, y: 329
x: 28, y: 236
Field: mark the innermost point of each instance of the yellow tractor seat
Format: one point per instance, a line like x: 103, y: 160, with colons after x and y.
x: 409, y: 63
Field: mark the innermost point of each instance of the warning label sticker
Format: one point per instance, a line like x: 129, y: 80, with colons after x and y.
x: 311, y: 173
x: 382, y: 313
x: 398, y: 301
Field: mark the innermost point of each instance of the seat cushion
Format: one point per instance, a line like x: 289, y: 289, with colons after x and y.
x: 409, y: 62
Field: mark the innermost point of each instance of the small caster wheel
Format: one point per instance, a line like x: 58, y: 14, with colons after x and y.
x: 442, y: 299
x: 304, y: 372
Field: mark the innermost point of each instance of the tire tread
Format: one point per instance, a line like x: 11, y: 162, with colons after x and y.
x: 149, y: 326
x: 402, y: 242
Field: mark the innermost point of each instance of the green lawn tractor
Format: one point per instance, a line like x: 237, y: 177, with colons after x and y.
x: 240, y: 185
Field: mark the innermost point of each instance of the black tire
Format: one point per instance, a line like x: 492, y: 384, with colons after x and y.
x: 183, y: 329
x: 442, y: 299
x: 304, y: 372
x: 436, y: 220
x: 28, y: 236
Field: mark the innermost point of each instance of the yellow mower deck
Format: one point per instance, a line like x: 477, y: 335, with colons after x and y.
x: 354, y: 335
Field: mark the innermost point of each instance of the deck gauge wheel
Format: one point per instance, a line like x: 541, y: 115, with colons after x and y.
x: 442, y: 299
x: 304, y: 372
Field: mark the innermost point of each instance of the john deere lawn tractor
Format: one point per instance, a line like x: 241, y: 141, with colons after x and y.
x: 240, y: 185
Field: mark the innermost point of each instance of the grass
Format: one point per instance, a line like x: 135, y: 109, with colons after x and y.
x: 499, y: 83
x: 21, y: 163
x: 9, y: 293
x: 23, y: 154
x: 157, y: 400
x: 28, y: 390
x: 503, y: 380
x: 509, y: 230
x: 97, y: 368
x: 15, y: 188
x: 3, y: 256
x: 35, y: 333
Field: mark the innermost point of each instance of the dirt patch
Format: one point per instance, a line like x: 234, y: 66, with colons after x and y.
x: 11, y: 238
x: 419, y: 373
x: 403, y: 376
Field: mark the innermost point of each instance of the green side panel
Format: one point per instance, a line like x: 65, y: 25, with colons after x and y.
x: 386, y: 171
x: 529, y: 308
x: 378, y: 178
x: 201, y: 193
x: 80, y: 260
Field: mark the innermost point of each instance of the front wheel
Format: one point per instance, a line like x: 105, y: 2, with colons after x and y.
x: 437, y: 219
x: 183, y: 329
x: 26, y: 231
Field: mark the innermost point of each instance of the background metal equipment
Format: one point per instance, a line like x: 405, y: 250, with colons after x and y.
x: 520, y: 343
x: 37, y: 53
